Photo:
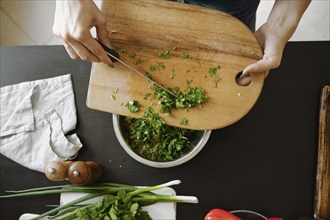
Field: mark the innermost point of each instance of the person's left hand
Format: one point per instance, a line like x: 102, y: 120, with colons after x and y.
x: 273, y: 46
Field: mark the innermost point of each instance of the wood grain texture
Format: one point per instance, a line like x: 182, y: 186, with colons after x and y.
x: 218, y: 39
x: 322, y: 192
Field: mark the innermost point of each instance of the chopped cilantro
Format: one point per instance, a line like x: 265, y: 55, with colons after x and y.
x: 123, y: 51
x: 213, y: 73
x: 165, y: 55
x: 184, y: 121
x: 132, y: 54
x: 152, y: 139
x: 173, y: 74
x: 192, y: 96
x: 152, y: 68
x: 138, y: 61
x: 161, y: 64
x: 133, y: 106
x: 185, y: 55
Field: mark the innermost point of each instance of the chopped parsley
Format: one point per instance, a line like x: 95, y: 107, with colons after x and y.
x: 132, y: 54
x: 161, y: 65
x: 123, y: 51
x: 191, y: 97
x: 188, y: 56
x: 213, y: 73
x: 152, y: 68
x: 133, y: 106
x: 165, y: 55
x: 138, y: 61
x: 173, y: 74
x: 184, y: 121
x: 152, y: 139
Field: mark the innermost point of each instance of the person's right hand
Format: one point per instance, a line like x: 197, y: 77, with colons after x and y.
x: 73, y: 22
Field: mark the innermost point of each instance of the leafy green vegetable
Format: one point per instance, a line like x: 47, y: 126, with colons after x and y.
x: 152, y: 68
x: 188, y: 56
x: 192, y: 96
x: 152, y: 139
x: 118, y: 206
x: 133, y: 106
x: 161, y: 64
x: 132, y: 54
x: 172, y: 74
x: 122, y: 202
x: 213, y: 73
x: 123, y: 51
x: 184, y: 121
x: 165, y: 55
x: 138, y: 61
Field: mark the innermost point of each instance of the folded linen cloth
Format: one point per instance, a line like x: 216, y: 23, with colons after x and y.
x: 34, y: 117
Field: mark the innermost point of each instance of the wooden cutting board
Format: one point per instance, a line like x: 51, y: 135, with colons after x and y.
x: 148, y: 27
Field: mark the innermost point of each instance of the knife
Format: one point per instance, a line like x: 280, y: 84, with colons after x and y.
x: 114, y: 56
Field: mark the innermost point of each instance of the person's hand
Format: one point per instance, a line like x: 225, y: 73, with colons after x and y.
x: 273, y: 46
x: 73, y: 22
x: 274, y: 34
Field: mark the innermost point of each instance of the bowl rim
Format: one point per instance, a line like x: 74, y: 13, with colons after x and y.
x: 179, y: 161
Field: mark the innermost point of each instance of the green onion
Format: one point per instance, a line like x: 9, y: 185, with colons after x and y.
x: 119, y: 201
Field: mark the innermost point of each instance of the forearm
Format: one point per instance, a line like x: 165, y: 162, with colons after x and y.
x: 285, y: 16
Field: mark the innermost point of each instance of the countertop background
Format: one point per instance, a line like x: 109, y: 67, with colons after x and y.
x: 29, y: 22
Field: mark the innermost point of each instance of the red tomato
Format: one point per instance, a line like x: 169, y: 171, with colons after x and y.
x: 219, y: 214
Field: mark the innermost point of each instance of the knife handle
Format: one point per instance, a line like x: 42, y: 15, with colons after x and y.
x: 109, y: 50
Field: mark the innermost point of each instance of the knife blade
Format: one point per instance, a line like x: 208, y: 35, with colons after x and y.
x: 114, y: 56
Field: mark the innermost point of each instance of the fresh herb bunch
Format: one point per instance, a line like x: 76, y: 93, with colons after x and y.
x: 152, y: 139
x: 119, y: 201
x: 192, y: 96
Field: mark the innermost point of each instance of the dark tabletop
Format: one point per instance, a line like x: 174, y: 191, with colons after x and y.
x: 266, y: 162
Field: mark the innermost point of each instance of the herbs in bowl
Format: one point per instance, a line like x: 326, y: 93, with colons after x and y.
x: 150, y: 141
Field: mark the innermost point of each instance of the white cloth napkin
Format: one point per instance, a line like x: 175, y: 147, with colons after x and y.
x: 34, y: 117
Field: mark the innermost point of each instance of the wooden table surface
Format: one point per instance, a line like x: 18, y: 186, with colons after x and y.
x: 266, y: 162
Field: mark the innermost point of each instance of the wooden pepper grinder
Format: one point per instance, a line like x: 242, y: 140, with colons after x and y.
x: 78, y: 173
x: 82, y: 173
x: 57, y: 170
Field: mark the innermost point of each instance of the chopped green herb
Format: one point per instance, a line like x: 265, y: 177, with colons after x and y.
x: 185, y: 55
x: 146, y: 96
x: 116, y: 90
x: 138, y: 61
x: 165, y: 55
x: 173, y: 74
x: 192, y: 96
x: 161, y: 64
x: 118, y: 206
x: 131, y: 54
x: 184, y: 121
x: 152, y: 139
x: 188, y: 56
x: 152, y: 68
x: 123, y: 51
x: 133, y: 106
x: 113, y: 97
x: 174, y: 48
x: 213, y: 73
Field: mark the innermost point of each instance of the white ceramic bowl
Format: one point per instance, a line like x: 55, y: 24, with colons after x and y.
x: 200, y: 141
